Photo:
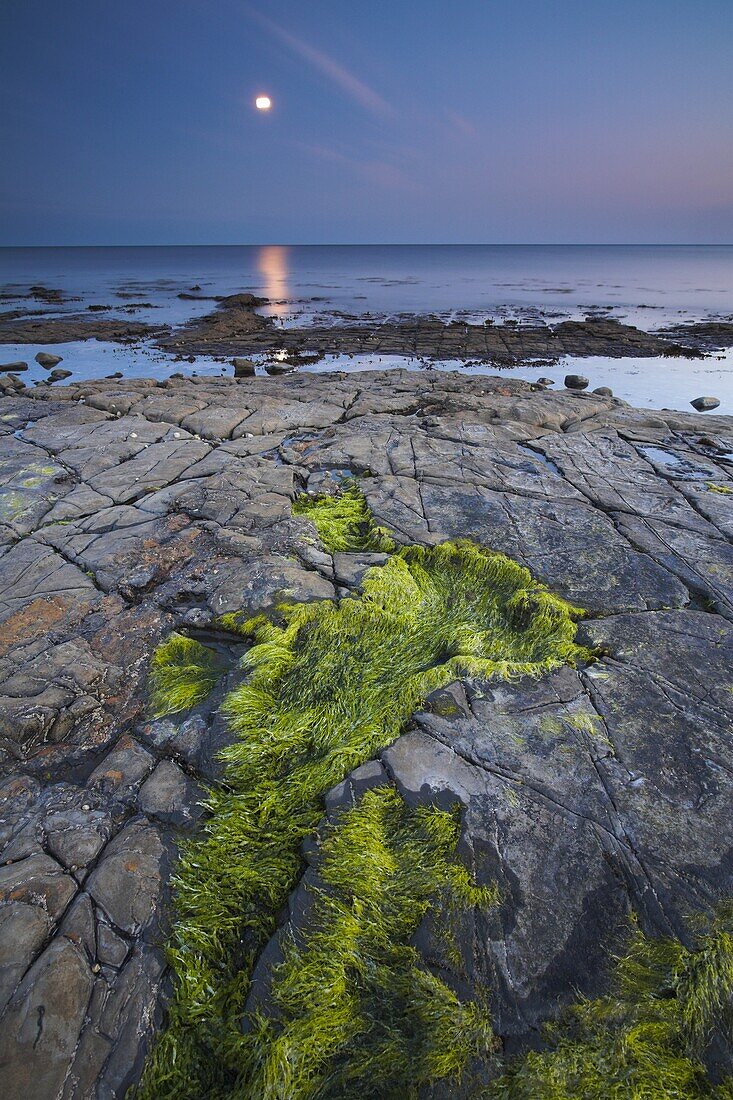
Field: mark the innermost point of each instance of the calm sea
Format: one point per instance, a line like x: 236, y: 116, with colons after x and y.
x: 646, y: 285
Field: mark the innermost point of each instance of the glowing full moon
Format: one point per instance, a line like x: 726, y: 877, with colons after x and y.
x: 263, y: 103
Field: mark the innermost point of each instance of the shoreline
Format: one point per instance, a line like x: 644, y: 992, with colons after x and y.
x: 236, y: 328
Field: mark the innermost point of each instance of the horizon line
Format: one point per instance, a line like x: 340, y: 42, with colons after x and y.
x: 396, y: 244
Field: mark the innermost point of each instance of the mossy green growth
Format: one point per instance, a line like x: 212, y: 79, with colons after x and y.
x: 725, y: 489
x: 330, y: 685
x: 355, y: 1011
x: 182, y: 674
x: 647, y: 1039
x: 343, y: 521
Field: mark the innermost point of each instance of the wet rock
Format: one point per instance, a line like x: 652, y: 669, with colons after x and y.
x: 24, y: 929
x: 112, y: 950
x: 76, y: 837
x: 18, y: 365
x: 123, y: 770
x: 576, y: 382
x: 10, y: 384
x: 243, y: 368
x: 42, y: 1022
x: 546, y: 381
x: 603, y: 391
x: 170, y: 796
x: 279, y: 368
x: 37, y: 880
x: 59, y: 375
x: 126, y: 883
x: 46, y: 294
x: 47, y: 360
x: 705, y: 404
x: 128, y: 1018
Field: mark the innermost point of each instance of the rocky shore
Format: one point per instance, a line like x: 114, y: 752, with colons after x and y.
x: 235, y: 327
x: 132, y: 509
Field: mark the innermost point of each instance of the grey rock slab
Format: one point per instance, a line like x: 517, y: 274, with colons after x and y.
x: 349, y: 569
x: 123, y: 769
x: 560, y: 902
x: 78, y: 925
x: 703, y: 563
x: 42, y: 1023
x: 130, y: 1014
x: 215, y: 422
x: 714, y: 500
x: 281, y: 415
x: 76, y: 837
x: 112, y: 950
x: 664, y: 694
x: 612, y: 475
x: 37, y: 880
x: 31, y: 573
x: 573, y: 548
x: 127, y: 881
x: 171, y: 796
x: 30, y: 482
x: 156, y: 466
x: 262, y: 584
x: 24, y: 929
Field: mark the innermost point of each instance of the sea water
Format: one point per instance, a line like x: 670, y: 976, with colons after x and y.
x: 648, y: 286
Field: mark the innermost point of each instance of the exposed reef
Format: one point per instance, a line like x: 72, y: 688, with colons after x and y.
x: 236, y: 328
x: 131, y: 512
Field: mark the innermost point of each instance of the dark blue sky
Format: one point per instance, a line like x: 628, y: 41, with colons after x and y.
x: 393, y: 121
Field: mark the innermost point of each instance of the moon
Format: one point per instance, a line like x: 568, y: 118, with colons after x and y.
x: 263, y: 103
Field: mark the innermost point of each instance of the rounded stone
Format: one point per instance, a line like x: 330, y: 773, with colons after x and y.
x: 576, y: 382
x: 705, y: 404
x: 243, y: 368
x: 46, y: 360
x: 603, y: 391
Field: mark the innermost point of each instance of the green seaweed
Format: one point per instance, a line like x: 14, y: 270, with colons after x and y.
x: 343, y: 521
x: 330, y: 684
x: 182, y: 674
x: 649, y: 1036
x: 725, y: 489
x: 355, y: 1010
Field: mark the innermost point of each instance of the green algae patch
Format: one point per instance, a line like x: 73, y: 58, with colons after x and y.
x: 343, y: 521
x: 354, y: 1010
x: 648, y: 1038
x: 724, y: 489
x: 182, y: 674
x: 330, y: 684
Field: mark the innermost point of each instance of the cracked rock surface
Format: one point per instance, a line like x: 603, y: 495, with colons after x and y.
x: 131, y: 509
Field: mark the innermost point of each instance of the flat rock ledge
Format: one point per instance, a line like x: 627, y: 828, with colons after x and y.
x: 236, y: 328
x: 129, y: 509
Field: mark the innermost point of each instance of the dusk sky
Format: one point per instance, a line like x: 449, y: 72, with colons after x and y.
x: 392, y: 121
